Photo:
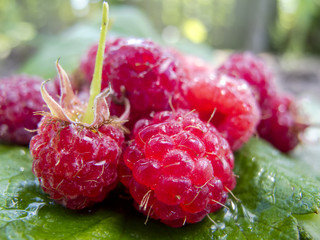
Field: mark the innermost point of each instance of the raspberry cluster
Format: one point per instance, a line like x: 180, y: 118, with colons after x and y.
x: 281, y: 122
x: 185, y: 119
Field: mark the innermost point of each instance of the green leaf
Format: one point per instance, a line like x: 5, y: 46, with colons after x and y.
x: 69, y: 45
x: 279, y: 196
x: 278, y: 200
x: 271, y: 188
x: 309, y: 225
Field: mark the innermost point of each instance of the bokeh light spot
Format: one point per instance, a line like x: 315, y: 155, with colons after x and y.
x: 195, y: 30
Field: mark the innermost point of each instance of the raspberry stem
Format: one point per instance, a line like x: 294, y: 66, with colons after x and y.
x: 95, y: 86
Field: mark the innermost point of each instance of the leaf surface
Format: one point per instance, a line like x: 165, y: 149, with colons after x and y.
x: 277, y: 200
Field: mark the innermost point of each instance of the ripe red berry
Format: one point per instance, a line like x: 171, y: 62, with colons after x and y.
x: 178, y: 169
x: 20, y: 99
x: 282, y: 124
x: 77, y: 148
x: 254, y: 71
x: 76, y: 162
x: 76, y: 165
x: 192, y: 67
x: 148, y: 73
x: 228, y: 103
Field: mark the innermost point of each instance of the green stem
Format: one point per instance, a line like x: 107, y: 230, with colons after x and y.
x: 95, y: 87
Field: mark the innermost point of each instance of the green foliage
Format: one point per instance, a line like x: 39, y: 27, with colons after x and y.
x: 277, y: 200
x: 73, y: 43
x: 69, y: 46
x: 295, y: 31
x: 21, y: 21
x: 279, y: 196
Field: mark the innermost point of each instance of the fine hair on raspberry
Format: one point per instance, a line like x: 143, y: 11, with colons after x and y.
x: 178, y: 168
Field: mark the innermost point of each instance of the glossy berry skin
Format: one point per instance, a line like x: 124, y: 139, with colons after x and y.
x: 254, y: 71
x: 75, y: 165
x: 20, y: 98
x: 281, y: 125
x: 227, y: 103
x: 177, y: 169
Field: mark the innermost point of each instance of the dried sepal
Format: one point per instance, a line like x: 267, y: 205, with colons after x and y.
x: 55, y: 109
x: 71, y: 109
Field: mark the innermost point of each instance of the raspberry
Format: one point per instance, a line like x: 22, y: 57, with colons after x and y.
x: 229, y: 102
x: 193, y: 67
x: 77, y: 148
x: 177, y: 169
x: 254, y: 71
x: 20, y: 98
x: 148, y: 73
x: 75, y: 165
x: 281, y: 124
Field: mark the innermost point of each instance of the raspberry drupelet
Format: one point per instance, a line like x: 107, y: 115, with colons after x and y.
x: 78, y: 146
x: 20, y: 98
x: 178, y: 169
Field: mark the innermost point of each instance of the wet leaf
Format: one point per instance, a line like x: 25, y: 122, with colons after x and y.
x: 277, y: 200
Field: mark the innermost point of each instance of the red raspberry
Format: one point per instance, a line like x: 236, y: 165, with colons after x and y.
x: 78, y: 146
x: 20, y: 98
x: 75, y: 161
x: 193, y: 67
x: 75, y: 165
x: 148, y: 73
x: 254, y: 71
x: 229, y: 102
x: 281, y: 124
x: 178, y: 169
x: 235, y: 111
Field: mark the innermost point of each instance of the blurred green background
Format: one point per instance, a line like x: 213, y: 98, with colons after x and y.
x: 27, y: 27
